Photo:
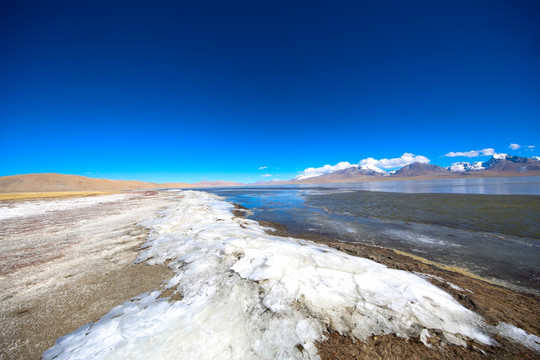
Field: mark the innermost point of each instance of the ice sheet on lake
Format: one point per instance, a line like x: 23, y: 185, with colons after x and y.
x: 412, y: 238
x: 250, y: 295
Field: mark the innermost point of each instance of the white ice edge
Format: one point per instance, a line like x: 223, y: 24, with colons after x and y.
x: 38, y: 207
x: 250, y: 295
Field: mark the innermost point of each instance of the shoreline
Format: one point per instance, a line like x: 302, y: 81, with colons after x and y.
x: 79, y: 298
x: 7, y: 193
x: 493, y: 302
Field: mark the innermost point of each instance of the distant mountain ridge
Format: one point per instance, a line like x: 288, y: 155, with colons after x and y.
x: 419, y: 169
x: 53, y: 182
x: 499, y: 164
x: 343, y: 171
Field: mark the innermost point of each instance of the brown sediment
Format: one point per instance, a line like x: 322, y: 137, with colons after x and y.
x: 339, y: 347
x: 494, y: 303
x: 63, y: 270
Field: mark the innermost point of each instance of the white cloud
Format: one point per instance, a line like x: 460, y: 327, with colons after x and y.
x: 326, y: 169
x: 514, y: 146
x: 488, y: 152
x: 267, y: 175
x: 370, y: 163
x: 263, y: 167
x: 472, y: 153
x: 405, y: 159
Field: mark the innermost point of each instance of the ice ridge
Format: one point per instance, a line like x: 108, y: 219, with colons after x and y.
x: 250, y: 295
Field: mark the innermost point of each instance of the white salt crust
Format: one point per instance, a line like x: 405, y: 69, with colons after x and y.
x: 38, y: 207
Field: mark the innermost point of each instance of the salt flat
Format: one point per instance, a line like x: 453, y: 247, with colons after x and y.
x: 66, y: 262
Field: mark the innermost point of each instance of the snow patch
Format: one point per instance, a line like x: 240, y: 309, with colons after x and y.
x: 500, y: 156
x: 518, y: 335
x: 437, y: 278
x: 466, y: 166
x: 370, y: 167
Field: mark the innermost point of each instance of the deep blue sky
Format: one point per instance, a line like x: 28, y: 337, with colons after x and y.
x: 193, y: 90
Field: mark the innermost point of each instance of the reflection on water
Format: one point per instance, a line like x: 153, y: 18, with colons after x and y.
x: 494, y: 236
x: 528, y: 185
x: 505, y: 214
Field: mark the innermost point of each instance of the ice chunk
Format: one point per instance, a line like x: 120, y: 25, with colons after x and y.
x: 518, y: 335
x: 424, y: 335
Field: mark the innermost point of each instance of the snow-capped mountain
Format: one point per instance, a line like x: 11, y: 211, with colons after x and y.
x: 341, y: 169
x: 345, y: 171
x: 465, y: 166
x: 323, y: 170
x: 369, y: 169
x: 420, y: 169
x: 509, y: 163
x: 499, y: 162
x: 361, y: 170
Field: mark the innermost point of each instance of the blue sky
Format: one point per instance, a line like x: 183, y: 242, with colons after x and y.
x: 190, y: 91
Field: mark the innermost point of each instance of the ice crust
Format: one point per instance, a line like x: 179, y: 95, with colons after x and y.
x: 37, y: 207
x: 250, y: 295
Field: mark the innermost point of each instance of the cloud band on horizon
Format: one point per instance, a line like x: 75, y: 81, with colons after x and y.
x: 405, y: 159
x: 472, y: 153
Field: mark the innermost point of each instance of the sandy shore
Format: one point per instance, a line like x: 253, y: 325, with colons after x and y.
x: 64, y: 268
x: 60, y: 270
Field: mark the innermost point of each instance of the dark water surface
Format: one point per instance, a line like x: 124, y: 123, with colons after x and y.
x: 494, y: 236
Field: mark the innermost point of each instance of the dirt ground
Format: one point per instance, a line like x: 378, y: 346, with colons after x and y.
x: 61, y: 270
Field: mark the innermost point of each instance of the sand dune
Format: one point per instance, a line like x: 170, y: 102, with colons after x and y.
x: 61, y: 182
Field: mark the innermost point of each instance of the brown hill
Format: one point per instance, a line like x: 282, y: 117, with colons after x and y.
x: 512, y: 164
x: 421, y: 169
x: 61, y: 182
x: 351, y: 174
x: 219, y: 183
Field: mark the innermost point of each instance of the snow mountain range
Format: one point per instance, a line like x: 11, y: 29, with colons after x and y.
x: 499, y: 163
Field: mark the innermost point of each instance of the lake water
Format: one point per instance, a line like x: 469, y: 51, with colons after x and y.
x: 490, y: 227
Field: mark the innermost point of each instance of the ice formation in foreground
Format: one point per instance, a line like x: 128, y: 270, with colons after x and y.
x: 250, y: 295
